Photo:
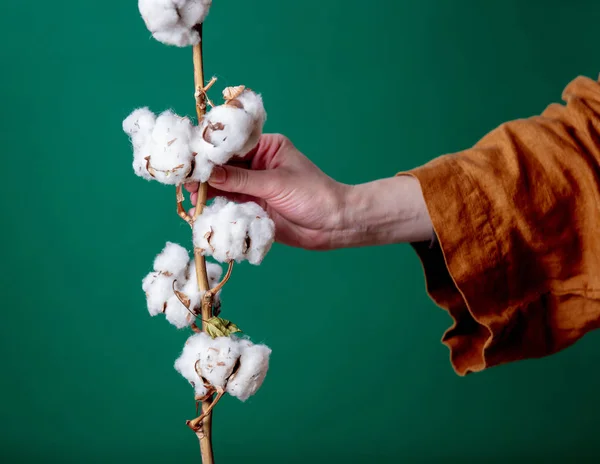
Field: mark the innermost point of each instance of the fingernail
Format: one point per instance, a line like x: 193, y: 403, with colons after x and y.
x: 217, y: 176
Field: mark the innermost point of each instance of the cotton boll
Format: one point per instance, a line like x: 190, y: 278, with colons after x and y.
x: 170, y: 268
x: 261, y: 232
x: 173, y: 258
x: 140, y: 121
x: 232, y: 129
x: 177, y: 314
x: 231, y: 363
x: 186, y: 362
x: 224, y: 132
x: 161, y: 146
x: 170, y: 156
x: 158, y: 288
x: 230, y: 231
x: 219, y: 360
x: 252, y: 103
x: 254, y: 364
x: 202, y: 165
x: 172, y: 21
x: 138, y: 126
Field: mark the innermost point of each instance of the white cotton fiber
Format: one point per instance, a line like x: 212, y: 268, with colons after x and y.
x: 232, y: 129
x: 176, y: 313
x: 172, y: 21
x: 218, y: 362
x: 169, y: 265
x: 254, y: 364
x: 202, y: 165
x: 173, y: 258
x: 174, y: 269
x: 138, y: 126
x: 252, y: 103
x: 186, y: 363
x: 158, y: 288
x: 161, y: 148
x: 231, y: 231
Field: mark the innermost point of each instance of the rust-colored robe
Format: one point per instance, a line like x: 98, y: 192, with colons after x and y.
x: 517, y: 220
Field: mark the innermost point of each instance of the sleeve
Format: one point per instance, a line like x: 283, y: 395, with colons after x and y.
x: 516, y: 260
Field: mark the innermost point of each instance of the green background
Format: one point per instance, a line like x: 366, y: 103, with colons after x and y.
x: 358, y: 373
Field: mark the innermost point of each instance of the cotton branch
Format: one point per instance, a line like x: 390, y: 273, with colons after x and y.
x: 205, y: 433
x: 169, y: 149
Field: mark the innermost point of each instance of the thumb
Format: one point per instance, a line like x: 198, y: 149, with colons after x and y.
x: 233, y: 179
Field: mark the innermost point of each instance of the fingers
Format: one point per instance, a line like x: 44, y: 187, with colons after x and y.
x: 263, y: 155
x: 212, y: 193
x: 191, y: 187
x: 259, y: 184
x: 236, y: 176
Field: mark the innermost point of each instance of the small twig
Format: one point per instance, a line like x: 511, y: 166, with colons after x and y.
x: 221, y: 284
x: 194, y: 423
x: 202, y: 97
x: 195, y: 328
x: 186, y: 305
x: 180, y: 209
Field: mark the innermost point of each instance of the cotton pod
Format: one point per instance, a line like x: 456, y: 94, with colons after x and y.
x: 230, y: 364
x: 234, y: 231
x: 254, y: 364
x: 172, y: 21
x: 169, y: 265
x: 231, y: 129
x: 161, y: 148
x: 186, y: 363
x: 175, y: 272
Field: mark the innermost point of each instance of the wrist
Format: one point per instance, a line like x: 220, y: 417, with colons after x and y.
x: 386, y: 211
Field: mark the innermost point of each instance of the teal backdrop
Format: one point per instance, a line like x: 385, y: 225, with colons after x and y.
x: 358, y: 373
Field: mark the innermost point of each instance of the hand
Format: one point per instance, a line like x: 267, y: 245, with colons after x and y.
x: 313, y: 211
x: 305, y: 203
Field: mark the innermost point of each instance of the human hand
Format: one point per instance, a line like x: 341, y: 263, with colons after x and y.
x: 305, y: 204
x: 313, y: 211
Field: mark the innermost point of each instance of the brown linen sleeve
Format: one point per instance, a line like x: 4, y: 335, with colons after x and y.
x: 516, y: 262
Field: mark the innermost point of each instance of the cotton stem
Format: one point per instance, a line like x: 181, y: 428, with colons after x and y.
x: 204, y: 430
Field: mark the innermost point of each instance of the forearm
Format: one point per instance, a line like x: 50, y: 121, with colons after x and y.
x: 383, y: 212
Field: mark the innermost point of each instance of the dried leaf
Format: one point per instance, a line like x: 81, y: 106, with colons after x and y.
x: 218, y: 327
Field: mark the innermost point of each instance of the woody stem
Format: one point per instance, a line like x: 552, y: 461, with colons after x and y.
x: 205, y: 430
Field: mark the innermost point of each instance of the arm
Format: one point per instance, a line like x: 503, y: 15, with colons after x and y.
x: 517, y: 221
x: 384, y: 212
